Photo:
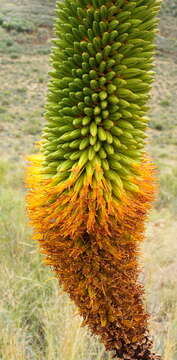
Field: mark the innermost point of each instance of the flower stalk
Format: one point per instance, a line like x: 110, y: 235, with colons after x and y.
x: 92, y: 183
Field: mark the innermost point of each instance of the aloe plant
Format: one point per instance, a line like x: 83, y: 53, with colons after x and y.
x: 91, y: 184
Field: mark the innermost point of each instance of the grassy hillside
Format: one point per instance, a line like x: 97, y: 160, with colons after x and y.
x: 37, y: 321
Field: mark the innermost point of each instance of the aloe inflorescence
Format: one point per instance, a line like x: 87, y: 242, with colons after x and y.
x: 92, y: 184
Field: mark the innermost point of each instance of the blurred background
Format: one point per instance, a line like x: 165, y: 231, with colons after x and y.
x: 37, y: 321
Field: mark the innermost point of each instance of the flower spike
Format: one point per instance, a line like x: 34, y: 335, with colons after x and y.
x: 91, y: 184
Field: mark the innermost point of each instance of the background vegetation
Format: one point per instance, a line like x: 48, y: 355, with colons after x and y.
x: 37, y: 321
